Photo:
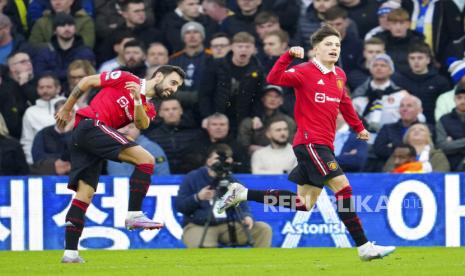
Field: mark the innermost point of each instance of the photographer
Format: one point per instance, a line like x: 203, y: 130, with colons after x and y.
x: 195, y: 198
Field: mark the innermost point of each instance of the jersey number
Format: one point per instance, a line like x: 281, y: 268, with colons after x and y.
x: 113, y: 75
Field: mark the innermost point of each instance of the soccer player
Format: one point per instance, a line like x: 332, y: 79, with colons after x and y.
x: 320, y: 95
x: 124, y: 98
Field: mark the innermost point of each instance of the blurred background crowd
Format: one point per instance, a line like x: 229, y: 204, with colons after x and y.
x: 404, y: 61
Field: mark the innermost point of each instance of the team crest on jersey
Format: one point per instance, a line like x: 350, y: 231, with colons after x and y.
x: 340, y: 84
x: 332, y: 165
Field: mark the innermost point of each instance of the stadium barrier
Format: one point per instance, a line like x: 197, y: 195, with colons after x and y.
x: 402, y: 210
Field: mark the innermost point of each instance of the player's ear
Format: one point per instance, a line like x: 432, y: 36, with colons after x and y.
x: 159, y: 77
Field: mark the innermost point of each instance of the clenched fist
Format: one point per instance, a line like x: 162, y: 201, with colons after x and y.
x: 297, y: 52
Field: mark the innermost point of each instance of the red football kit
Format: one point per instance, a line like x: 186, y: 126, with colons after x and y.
x: 114, y: 105
x: 320, y: 94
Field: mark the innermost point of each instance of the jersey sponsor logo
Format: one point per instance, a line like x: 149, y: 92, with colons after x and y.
x: 332, y: 165
x: 123, y: 101
x: 321, y: 82
x: 322, y: 98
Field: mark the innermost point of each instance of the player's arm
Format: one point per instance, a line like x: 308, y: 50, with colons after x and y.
x: 63, y: 116
x: 350, y: 116
x: 141, y: 119
x: 280, y: 75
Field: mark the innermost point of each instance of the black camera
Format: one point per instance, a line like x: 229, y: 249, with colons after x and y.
x: 222, y: 168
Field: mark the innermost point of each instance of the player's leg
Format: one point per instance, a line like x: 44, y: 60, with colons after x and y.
x: 346, y: 211
x: 75, y: 221
x: 139, y: 183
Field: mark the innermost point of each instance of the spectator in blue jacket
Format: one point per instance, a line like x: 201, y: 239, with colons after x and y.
x: 125, y: 169
x: 195, y: 198
x: 64, y: 47
x: 351, y: 153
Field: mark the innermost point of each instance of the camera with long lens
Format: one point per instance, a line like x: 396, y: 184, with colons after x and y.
x: 223, y: 171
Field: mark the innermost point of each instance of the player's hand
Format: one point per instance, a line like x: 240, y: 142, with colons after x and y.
x: 248, y: 221
x: 206, y: 193
x: 62, y: 117
x: 134, y: 88
x: 297, y: 52
x: 363, y: 135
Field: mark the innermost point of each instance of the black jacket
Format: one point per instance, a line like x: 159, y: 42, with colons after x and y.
x: 12, y: 159
x: 450, y: 125
x: 174, y: 140
x: 364, y: 14
x: 217, y: 94
x: 427, y: 87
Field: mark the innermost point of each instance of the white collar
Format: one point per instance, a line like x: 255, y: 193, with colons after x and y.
x: 143, y: 84
x: 382, y: 86
x: 323, y: 68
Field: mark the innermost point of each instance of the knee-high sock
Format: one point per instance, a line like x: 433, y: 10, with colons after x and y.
x: 346, y: 211
x: 281, y: 198
x: 139, y: 184
x: 75, y: 223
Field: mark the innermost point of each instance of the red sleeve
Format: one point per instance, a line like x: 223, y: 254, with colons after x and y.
x: 279, y: 75
x: 150, y: 110
x: 349, y: 114
x: 116, y: 79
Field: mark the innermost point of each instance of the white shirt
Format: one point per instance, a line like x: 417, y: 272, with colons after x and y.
x: 268, y: 160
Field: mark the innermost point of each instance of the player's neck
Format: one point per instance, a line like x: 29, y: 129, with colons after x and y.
x: 329, y: 65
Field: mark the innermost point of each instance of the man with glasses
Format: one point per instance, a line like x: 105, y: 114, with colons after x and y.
x: 220, y: 45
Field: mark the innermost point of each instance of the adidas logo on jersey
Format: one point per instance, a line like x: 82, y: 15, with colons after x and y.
x: 320, y: 82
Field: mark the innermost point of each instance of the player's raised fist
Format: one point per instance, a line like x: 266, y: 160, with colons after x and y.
x: 297, y: 52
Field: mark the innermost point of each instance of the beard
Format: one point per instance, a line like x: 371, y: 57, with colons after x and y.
x: 279, y: 142
x: 161, y: 92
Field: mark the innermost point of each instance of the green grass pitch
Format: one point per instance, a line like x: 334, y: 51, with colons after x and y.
x: 275, y: 261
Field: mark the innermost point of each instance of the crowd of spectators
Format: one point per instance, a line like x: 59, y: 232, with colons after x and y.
x: 404, y: 61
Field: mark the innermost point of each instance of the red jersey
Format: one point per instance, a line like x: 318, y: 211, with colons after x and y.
x: 320, y: 94
x: 114, y: 105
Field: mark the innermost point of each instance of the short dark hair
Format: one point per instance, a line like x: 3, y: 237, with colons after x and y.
x: 264, y: 17
x: 168, y: 69
x: 220, y: 34
x: 282, y: 35
x: 125, y: 3
x: 334, y: 13
x: 411, y: 150
x: 322, y: 33
x: 275, y: 119
x: 49, y: 75
x: 221, y: 3
x: 216, y: 148
x: 374, y: 41
x: 135, y: 43
x: 420, y: 48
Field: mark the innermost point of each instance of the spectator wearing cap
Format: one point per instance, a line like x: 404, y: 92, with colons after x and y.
x: 371, y: 47
x: 351, y: 46
x: 422, y: 79
x: 186, y: 11
x: 64, y: 47
x: 399, y: 37
x: 193, y: 59
x: 382, y: 13
x: 9, y: 41
x: 232, y: 85
x: 450, y: 131
x: 445, y: 102
x: 252, y: 130
x: 363, y: 13
x: 44, y: 28
x: 278, y: 157
x: 377, y: 100
x: 119, y: 39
